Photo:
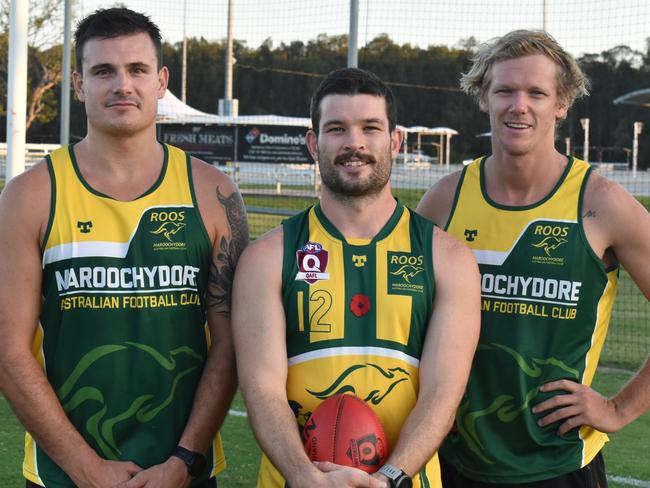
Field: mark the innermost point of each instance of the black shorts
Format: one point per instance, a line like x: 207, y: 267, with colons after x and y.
x: 591, y: 476
x: 211, y: 483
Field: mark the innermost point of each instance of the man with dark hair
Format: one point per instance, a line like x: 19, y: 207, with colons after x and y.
x: 345, y: 297
x: 352, y: 82
x: 115, y: 252
x: 549, y: 236
x: 115, y: 22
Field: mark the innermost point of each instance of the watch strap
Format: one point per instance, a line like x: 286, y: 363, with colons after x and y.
x: 194, y: 461
x: 397, y: 477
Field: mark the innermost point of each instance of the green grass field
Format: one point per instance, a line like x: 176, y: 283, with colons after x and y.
x: 625, y: 455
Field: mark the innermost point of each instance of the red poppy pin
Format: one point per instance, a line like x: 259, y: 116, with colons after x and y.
x: 360, y: 304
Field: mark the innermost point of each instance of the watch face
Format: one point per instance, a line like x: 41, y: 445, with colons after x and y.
x: 197, y: 465
x: 195, y: 461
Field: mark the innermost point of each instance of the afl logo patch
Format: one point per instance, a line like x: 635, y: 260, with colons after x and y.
x: 312, y: 263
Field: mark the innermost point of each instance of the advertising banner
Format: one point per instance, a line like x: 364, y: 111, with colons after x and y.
x: 272, y: 144
x: 213, y: 144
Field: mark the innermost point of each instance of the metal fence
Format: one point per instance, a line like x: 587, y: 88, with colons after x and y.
x: 281, y: 42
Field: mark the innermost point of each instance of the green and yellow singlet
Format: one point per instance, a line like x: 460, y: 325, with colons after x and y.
x: 546, y: 304
x: 357, y: 313
x: 122, y: 334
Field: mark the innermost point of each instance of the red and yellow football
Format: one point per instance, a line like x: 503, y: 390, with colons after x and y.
x: 345, y: 430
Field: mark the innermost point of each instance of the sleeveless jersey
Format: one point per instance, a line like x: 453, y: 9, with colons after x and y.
x: 357, y: 313
x: 546, y: 304
x: 122, y: 334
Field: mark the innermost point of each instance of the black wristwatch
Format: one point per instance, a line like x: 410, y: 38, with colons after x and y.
x: 195, y: 461
x: 396, y: 477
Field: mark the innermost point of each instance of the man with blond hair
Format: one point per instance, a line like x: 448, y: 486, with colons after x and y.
x: 550, y: 236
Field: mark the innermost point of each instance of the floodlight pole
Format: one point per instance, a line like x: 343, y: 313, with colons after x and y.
x: 585, y: 149
x: 353, y: 35
x: 544, y: 16
x: 184, y: 70
x: 228, y: 84
x: 17, y: 90
x: 567, y: 142
x: 638, y: 127
x: 227, y: 105
x: 64, y: 129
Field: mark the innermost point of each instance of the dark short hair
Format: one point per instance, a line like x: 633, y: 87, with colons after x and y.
x: 115, y: 22
x: 352, y: 81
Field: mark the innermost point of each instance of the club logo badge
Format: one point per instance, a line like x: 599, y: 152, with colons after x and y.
x: 312, y: 263
x: 406, y: 273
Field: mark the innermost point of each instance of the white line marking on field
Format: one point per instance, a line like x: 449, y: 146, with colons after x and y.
x: 240, y: 413
x: 624, y: 480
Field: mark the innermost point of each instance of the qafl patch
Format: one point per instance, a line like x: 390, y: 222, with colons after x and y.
x: 312, y: 263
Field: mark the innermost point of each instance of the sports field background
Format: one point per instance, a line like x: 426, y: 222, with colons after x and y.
x: 625, y: 455
x: 276, y: 39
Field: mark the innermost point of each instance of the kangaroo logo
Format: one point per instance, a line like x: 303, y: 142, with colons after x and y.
x: 369, y: 382
x: 550, y: 243
x: 168, y: 229
x: 407, y: 272
x: 507, y: 408
x: 100, y: 425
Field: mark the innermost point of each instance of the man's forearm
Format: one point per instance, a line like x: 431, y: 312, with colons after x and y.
x: 212, y: 399
x: 634, y: 398
x: 423, y: 432
x: 37, y: 407
x: 276, y: 430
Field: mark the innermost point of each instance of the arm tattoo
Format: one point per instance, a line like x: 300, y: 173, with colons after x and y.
x: 226, y: 253
x: 588, y: 214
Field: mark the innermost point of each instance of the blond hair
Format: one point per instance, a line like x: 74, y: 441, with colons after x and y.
x: 571, y: 81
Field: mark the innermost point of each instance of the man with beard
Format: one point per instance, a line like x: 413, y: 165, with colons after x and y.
x: 115, y: 251
x: 345, y: 297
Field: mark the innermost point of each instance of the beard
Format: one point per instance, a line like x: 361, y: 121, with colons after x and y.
x: 349, y: 186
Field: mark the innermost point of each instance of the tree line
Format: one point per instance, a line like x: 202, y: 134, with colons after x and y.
x: 279, y: 79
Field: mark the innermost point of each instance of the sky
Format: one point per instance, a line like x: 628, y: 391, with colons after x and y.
x: 581, y: 26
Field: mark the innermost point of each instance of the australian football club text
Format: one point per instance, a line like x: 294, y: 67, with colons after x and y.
x: 128, y: 287
x: 527, y: 295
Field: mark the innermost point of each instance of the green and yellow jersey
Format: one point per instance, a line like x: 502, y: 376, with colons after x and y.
x: 122, y: 334
x: 357, y: 314
x: 546, y: 304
